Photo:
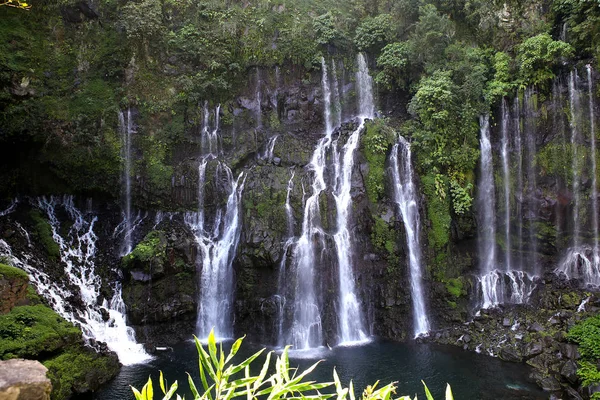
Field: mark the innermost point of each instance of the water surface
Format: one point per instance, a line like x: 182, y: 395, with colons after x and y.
x: 472, y: 376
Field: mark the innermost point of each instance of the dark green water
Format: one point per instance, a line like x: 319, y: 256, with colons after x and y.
x: 472, y: 376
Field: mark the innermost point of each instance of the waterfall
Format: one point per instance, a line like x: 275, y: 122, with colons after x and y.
x: 268, y: 155
x: 258, y: 99
x: 594, y: 189
x: 126, y: 129
x: 506, y: 179
x: 77, y: 254
x: 364, y: 83
x: 582, y: 261
x: 510, y: 284
x: 337, y: 106
x: 11, y: 207
x: 281, y: 287
x: 306, y: 330
x: 532, y: 205
x: 487, y: 219
x: 217, y: 244
x: 519, y: 184
x: 351, y: 324
x: 406, y: 197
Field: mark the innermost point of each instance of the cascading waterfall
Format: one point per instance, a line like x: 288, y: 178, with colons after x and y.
x: 532, y: 198
x: 594, y: 194
x: 306, y: 330
x: 126, y: 129
x: 77, y: 253
x: 217, y: 244
x: 506, y: 180
x: 350, y: 319
x: 11, y: 207
x: 582, y: 261
x: 498, y: 285
x: 268, y: 155
x: 486, y: 215
x: 281, y: 296
x: 351, y: 324
x: 406, y: 198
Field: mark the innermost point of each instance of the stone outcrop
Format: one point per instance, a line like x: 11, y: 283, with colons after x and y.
x: 24, y: 380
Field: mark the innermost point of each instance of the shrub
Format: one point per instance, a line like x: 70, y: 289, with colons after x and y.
x: 221, y: 380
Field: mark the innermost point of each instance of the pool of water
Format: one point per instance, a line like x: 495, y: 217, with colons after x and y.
x: 472, y: 376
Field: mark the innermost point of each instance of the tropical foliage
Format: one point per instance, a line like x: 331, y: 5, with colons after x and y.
x: 222, y: 379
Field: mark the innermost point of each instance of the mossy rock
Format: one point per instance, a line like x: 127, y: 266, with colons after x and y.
x: 79, y: 370
x: 149, y: 256
x: 13, y: 287
x: 455, y: 287
x: 34, y: 332
x: 9, y: 272
x: 42, y: 231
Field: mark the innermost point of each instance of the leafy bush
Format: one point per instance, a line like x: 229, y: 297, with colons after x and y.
x: 79, y: 369
x: 587, y: 335
x: 374, y: 32
x: 393, y: 61
x: 223, y: 380
x: 538, y: 55
x: 32, y: 331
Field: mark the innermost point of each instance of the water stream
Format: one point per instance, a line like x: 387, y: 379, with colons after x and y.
x: 406, y: 198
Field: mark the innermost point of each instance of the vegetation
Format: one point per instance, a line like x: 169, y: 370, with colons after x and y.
x: 34, y: 332
x: 222, y: 379
x: 9, y: 272
x: 152, y: 248
x: 76, y: 369
x: 587, y: 335
x: 43, y: 232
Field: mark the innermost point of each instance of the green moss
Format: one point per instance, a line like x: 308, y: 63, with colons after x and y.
x: 151, y: 248
x: 43, y: 232
x: 587, y: 335
x: 438, y: 213
x: 8, y: 272
x: 34, y: 331
x: 455, y: 288
x: 376, y: 141
x: 76, y: 369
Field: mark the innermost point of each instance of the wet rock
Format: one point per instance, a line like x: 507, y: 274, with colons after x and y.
x: 549, y: 384
x: 105, y: 314
x: 509, y: 354
x: 569, y: 351
x: 24, y: 380
x: 569, y: 371
x: 535, y: 327
x: 573, y: 394
x: 506, y: 322
x: 532, y: 350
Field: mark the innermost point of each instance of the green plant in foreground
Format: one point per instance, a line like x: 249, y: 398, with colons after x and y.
x: 223, y: 380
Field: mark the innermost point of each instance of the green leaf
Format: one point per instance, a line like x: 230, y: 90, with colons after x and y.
x: 212, y: 347
x: 161, y: 381
x: 171, y: 391
x: 449, y: 395
x: 136, y: 393
x: 234, y: 348
x: 247, y: 362
x: 427, y: 392
x: 193, y: 387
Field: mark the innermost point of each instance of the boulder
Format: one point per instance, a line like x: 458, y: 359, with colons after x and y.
x: 569, y: 371
x: 509, y: 354
x: 532, y: 349
x: 24, y: 380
